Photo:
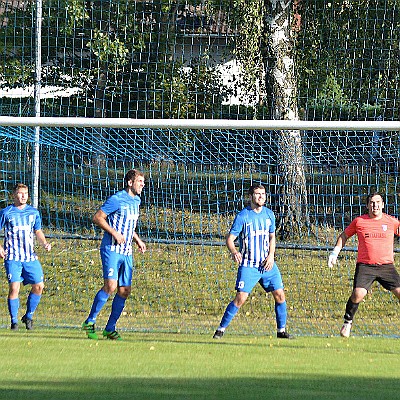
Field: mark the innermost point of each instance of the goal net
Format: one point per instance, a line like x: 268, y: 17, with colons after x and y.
x: 196, y: 181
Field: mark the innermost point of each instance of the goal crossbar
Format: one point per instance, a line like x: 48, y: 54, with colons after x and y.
x: 82, y: 122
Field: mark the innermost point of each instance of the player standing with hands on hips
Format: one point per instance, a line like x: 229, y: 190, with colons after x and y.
x: 375, y: 259
x: 255, y: 228
x: 20, y: 222
x: 118, y: 218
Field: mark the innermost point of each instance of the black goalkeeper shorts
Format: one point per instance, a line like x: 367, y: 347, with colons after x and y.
x: 366, y: 274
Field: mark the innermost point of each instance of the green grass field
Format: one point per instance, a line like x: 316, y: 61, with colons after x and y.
x: 62, y: 364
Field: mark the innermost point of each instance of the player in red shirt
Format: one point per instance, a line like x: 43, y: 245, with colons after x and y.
x: 375, y: 260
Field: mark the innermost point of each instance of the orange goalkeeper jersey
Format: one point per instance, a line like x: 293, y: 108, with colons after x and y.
x: 375, y: 238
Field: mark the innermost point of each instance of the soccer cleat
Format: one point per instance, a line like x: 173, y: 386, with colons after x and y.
x: 346, y: 329
x: 90, y: 330
x: 114, y: 335
x: 28, y: 322
x: 283, y: 335
x: 218, y: 334
x: 14, y: 326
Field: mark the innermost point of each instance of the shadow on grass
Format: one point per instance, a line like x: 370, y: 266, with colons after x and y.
x: 272, y: 387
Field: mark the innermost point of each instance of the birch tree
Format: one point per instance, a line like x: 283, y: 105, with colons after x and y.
x: 281, y: 25
x: 266, y: 51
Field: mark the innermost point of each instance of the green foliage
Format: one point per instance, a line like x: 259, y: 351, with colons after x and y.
x: 340, y: 74
x: 77, y: 14
x: 247, y: 20
x: 332, y: 101
x: 194, y: 91
x: 122, y: 55
x: 113, y: 52
x: 16, y: 74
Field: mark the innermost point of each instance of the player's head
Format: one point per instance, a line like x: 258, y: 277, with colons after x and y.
x: 134, y: 181
x: 371, y: 195
x: 252, y: 188
x: 20, y: 194
x: 375, y: 204
x: 257, y: 195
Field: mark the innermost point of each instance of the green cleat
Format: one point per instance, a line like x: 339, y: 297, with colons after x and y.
x: 90, y: 330
x: 114, y: 335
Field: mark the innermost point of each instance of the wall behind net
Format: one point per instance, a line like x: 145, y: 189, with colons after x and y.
x: 196, y: 181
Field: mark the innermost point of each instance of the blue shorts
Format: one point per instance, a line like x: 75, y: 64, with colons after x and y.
x: 117, y: 266
x: 27, y: 272
x: 248, y: 277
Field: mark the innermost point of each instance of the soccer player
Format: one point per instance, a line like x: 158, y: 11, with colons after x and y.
x: 20, y: 221
x: 118, y: 218
x: 255, y: 228
x: 375, y: 258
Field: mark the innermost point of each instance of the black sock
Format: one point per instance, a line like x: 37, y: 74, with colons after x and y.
x: 351, y: 309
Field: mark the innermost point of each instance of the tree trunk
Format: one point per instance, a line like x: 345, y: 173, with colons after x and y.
x: 281, y: 83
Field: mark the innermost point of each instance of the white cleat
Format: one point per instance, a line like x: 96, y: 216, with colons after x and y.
x: 345, y: 331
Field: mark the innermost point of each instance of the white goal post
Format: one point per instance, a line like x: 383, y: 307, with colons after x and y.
x: 201, y: 123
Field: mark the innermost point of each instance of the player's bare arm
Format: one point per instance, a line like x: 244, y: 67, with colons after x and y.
x: 230, y: 244
x: 139, y: 242
x: 42, y: 240
x: 340, y: 242
x: 268, y: 263
x: 2, y: 252
x: 100, y: 219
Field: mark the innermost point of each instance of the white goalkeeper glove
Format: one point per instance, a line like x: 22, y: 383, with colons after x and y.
x: 333, y: 256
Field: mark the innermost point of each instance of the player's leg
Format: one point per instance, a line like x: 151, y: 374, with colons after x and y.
x: 246, y: 279
x: 271, y: 281
x: 118, y: 304
x: 14, y: 276
x: 351, y: 308
x: 280, y: 313
x: 110, y: 285
x: 32, y: 273
x: 364, y: 276
x: 389, y: 278
x: 13, y: 303
x: 230, y: 312
x: 98, y: 303
x: 109, y: 261
x: 32, y: 303
x: 396, y: 292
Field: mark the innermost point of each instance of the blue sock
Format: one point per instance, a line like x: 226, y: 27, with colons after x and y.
x: 98, y: 303
x: 281, y: 315
x: 118, y: 305
x: 31, y: 304
x: 13, y: 306
x: 229, y: 313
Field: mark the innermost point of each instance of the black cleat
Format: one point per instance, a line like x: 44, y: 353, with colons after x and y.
x: 218, y: 334
x: 283, y: 335
x: 14, y: 326
x: 28, y: 322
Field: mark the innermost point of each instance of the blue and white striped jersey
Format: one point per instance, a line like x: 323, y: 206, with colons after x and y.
x: 122, y: 214
x: 252, y: 230
x: 19, y: 227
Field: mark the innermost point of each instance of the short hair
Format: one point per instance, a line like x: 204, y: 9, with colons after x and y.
x: 19, y: 186
x: 252, y: 188
x: 371, y: 195
x: 131, y: 176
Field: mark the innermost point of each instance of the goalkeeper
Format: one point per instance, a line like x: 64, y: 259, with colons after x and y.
x: 375, y: 232
x: 255, y: 228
